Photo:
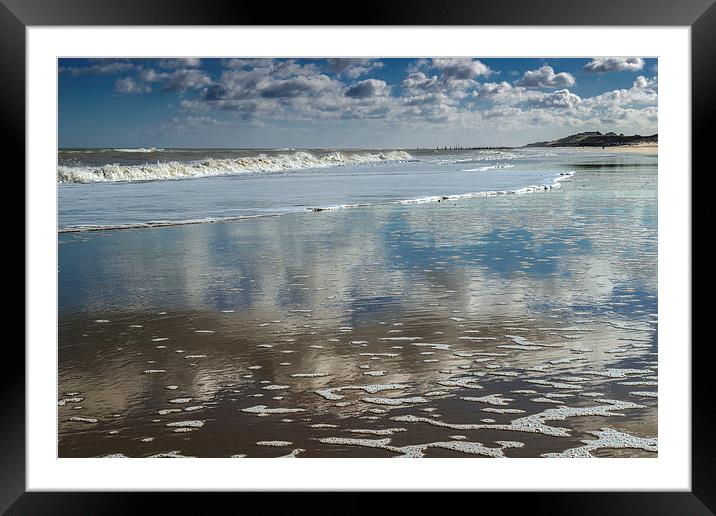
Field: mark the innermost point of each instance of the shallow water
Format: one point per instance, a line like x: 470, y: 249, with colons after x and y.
x: 125, y: 189
x: 500, y: 326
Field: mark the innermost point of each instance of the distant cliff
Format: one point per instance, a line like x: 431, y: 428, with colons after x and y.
x: 596, y: 139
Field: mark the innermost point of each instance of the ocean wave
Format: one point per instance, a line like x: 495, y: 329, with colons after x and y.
x: 150, y: 149
x: 100, y: 151
x: 488, y: 167
x: 555, y: 184
x: 298, y: 160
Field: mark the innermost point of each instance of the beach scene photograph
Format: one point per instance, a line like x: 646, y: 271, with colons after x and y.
x: 364, y: 257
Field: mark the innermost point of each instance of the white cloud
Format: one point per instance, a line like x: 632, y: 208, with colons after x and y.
x: 614, y: 64
x: 560, y: 99
x: 179, y: 80
x: 272, y: 90
x: 461, y: 68
x: 642, y: 93
x: 129, y: 86
x: 420, y: 81
x: 353, y: 67
x: 505, y: 93
x: 101, y: 68
x: 545, y: 77
x: 367, y: 88
x: 181, y: 62
x: 442, y: 93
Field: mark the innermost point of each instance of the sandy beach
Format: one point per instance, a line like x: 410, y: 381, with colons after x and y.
x: 647, y: 149
x: 505, y: 325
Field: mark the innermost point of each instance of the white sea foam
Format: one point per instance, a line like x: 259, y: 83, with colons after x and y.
x: 608, y: 438
x: 492, y: 399
x: 555, y: 184
x: 83, y: 419
x: 278, y: 444
x: 395, y: 401
x: 330, y: 394
x: 375, y: 431
x: 150, y: 149
x: 535, y: 423
x: 221, y: 167
x: 263, y: 410
x: 488, y: 167
x: 418, y: 450
x: 187, y: 424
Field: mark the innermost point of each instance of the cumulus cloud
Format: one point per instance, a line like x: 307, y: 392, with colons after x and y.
x: 281, y: 81
x: 642, y: 93
x: 560, y: 99
x: 295, y: 87
x: 642, y: 83
x: 417, y: 81
x: 545, y: 77
x: 353, y: 67
x: 454, y: 93
x: 179, y: 80
x: 128, y: 86
x: 439, y: 92
x: 461, y: 68
x: 367, y: 88
x: 614, y: 64
x: 290, y: 90
x: 505, y: 93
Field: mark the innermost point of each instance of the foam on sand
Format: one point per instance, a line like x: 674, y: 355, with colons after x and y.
x: 264, y: 410
x: 187, y: 424
x: 608, y: 438
x: 293, y: 454
x: 83, y: 419
x: 535, y: 423
x: 330, y: 394
x: 274, y: 443
x: 418, y: 450
x: 395, y: 401
x: 492, y: 399
x: 375, y: 431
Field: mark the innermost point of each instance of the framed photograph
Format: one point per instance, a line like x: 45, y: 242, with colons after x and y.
x: 439, y: 234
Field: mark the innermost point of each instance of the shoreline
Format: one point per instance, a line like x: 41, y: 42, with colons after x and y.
x: 639, y: 148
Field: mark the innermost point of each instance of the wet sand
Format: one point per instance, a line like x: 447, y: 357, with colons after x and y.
x: 516, y: 326
x: 649, y: 149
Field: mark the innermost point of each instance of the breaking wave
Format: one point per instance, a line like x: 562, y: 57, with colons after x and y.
x: 150, y: 149
x: 296, y: 160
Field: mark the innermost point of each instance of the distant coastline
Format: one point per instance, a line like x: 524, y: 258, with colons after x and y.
x: 592, y: 139
x: 598, y: 139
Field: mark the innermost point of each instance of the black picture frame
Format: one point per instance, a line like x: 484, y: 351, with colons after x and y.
x: 16, y: 15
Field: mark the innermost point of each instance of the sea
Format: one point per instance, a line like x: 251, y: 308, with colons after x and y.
x: 124, y: 188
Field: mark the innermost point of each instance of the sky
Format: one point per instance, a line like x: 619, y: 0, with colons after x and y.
x: 350, y: 102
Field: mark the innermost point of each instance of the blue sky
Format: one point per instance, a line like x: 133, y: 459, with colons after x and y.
x: 350, y: 103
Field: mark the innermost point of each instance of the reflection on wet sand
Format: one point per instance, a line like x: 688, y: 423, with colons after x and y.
x: 517, y: 326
